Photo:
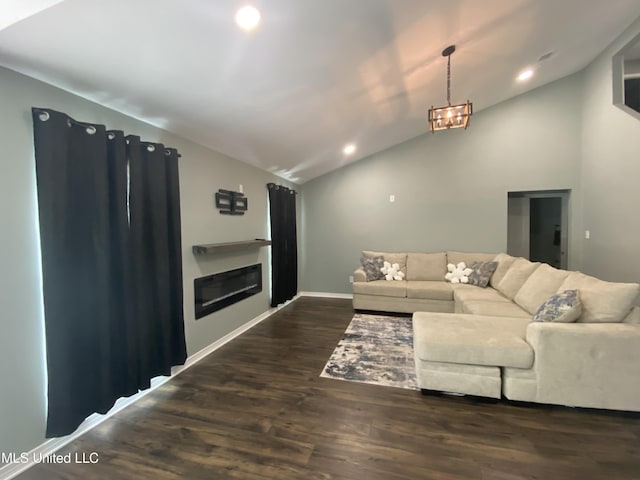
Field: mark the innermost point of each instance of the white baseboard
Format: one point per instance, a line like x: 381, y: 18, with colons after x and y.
x: 49, y: 447
x: 326, y: 295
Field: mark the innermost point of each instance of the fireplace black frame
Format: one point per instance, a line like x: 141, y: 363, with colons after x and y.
x: 217, y: 291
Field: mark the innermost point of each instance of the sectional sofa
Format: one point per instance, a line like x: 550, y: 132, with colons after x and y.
x: 482, y: 341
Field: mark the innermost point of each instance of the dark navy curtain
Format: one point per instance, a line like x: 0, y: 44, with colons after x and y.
x: 284, y: 244
x: 109, y: 209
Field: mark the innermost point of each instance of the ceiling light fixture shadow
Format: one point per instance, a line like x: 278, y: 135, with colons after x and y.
x: 450, y: 116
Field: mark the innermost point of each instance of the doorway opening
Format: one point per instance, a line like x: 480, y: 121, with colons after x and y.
x: 538, y: 226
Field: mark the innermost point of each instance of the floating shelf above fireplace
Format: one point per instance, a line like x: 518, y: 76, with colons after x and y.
x: 229, y: 246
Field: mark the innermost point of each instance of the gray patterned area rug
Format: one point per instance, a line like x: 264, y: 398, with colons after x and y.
x: 375, y: 349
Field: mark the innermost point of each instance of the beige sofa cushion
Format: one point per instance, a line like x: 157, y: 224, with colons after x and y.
x: 518, y: 273
x: 540, y: 285
x: 498, y: 309
x: 433, y: 290
x: 634, y: 316
x: 471, y: 339
x: 468, y: 258
x: 602, y: 302
x: 504, y: 262
x: 426, y: 266
x: 464, y: 293
x: 399, y: 258
x: 394, y: 288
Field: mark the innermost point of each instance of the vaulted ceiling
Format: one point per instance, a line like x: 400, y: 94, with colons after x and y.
x: 314, y: 76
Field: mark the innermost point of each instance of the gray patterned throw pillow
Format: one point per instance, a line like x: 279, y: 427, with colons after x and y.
x: 482, y: 272
x: 372, y: 267
x: 562, y: 307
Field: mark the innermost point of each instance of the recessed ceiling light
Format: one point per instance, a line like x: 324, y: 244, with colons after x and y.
x: 248, y: 17
x: 349, y: 149
x: 525, y: 75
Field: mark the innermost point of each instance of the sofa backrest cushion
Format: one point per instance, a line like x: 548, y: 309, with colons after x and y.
x: 518, y: 273
x: 602, y: 302
x: 426, y: 266
x: 504, y: 262
x: 468, y: 258
x: 540, y: 285
x: 399, y: 258
x: 633, y: 317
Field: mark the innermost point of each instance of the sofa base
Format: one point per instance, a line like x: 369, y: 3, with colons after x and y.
x: 383, y: 303
x: 519, y: 384
x: 474, y: 380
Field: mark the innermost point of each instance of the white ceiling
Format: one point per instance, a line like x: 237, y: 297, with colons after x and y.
x: 314, y: 76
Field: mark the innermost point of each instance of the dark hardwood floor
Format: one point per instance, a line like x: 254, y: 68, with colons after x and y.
x: 258, y: 409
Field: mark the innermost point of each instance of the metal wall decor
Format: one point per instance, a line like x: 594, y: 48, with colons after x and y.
x: 231, y: 203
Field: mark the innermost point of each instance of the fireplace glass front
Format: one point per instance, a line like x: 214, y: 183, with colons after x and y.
x: 220, y: 290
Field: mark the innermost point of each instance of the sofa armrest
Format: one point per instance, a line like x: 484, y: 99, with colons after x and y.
x: 587, y: 364
x: 359, y: 275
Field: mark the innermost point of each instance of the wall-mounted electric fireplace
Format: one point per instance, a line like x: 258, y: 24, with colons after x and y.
x: 215, y: 292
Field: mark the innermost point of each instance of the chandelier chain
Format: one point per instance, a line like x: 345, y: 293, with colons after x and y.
x: 449, y: 80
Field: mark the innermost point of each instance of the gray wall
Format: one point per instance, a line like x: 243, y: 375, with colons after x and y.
x: 518, y: 226
x: 610, y: 175
x: 451, y: 187
x: 202, y: 172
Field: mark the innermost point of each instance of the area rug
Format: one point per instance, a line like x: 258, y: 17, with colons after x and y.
x: 375, y: 349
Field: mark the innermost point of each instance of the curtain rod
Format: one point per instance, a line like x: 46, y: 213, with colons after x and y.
x: 272, y: 185
x: 91, y: 128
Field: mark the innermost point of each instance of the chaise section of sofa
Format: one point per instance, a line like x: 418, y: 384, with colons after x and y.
x: 446, y: 346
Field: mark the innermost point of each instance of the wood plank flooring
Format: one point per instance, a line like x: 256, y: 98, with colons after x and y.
x: 258, y: 409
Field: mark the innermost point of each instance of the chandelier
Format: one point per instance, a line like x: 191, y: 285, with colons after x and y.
x: 451, y: 116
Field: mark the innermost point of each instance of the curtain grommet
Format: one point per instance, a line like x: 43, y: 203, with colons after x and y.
x: 44, y: 116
